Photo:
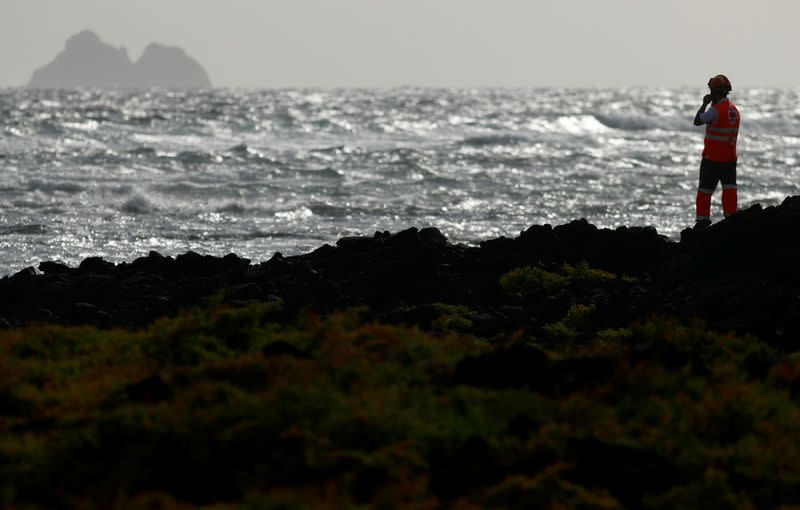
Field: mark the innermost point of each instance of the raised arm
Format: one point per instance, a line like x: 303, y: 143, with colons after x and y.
x: 706, y: 102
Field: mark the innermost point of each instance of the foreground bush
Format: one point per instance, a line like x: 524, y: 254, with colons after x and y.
x: 238, y: 408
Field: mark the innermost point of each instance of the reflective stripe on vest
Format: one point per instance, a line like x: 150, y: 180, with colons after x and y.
x: 721, y: 136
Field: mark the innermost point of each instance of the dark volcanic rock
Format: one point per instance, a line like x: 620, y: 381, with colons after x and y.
x: 48, y: 267
x: 96, y: 265
x: 24, y: 275
x: 740, y: 274
x: 85, y: 313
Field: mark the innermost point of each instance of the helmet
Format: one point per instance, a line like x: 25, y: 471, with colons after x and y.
x: 720, y: 81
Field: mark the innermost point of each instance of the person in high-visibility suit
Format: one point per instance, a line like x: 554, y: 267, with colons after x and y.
x: 719, y: 153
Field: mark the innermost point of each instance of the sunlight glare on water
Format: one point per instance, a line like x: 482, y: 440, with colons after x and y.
x: 117, y: 174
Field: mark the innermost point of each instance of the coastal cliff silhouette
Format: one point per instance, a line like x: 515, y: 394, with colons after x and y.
x: 86, y: 61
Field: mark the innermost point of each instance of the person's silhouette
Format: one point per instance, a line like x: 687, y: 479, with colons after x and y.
x: 719, y: 153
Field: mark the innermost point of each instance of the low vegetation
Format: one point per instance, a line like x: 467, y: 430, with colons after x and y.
x: 243, y: 408
x: 531, y: 279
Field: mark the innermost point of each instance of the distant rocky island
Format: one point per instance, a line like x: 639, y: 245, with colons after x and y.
x: 86, y: 61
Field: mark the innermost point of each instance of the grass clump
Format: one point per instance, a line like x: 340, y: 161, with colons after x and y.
x: 576, y: 322
x: 582, y: 271
x: 451, y: 318
x: 530, y: 279
x: 525, y: 280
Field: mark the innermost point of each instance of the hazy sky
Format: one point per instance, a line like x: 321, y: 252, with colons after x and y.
x: 266, y: 43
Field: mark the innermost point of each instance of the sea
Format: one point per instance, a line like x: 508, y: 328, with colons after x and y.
x: 254, y: 172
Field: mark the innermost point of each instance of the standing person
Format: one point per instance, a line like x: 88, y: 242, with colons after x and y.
x: 719, y: 154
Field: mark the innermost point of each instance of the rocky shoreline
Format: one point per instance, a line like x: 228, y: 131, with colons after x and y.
x: 740, y: 275
x: 569, y: 367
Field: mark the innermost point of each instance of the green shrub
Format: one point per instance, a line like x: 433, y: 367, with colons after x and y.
x: 576, y: 322
x: 452, y: 319
x: 582, y: 271
x: 530, y: 279
x: 526, y: 280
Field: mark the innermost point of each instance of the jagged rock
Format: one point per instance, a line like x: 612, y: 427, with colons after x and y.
x: 356, y: 243
x: 96, y: 265
x: 325, y: 250
x: 432, y: 236
x: 276, y: 263
x: 86, y: 61
x: 244, y: 292
x: 168, y: 67
x: 23, y: 275
x: 153, y: 263
x: 405, y: 240
x: 87, y: 313
x: 720, y: 274
x: 48, y: 267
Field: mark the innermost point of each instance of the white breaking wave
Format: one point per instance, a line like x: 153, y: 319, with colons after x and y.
x: 138, y: 203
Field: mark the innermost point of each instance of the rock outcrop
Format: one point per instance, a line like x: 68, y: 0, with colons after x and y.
x: 86, y: 61
x: 738, y: 275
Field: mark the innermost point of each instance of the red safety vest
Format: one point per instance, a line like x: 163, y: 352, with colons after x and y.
x: 720, y: 143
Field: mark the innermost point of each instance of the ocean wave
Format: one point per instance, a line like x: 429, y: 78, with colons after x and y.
x: 185, y: 189
x: 138, y: 204
x: 261, y: 234
x: 49, y: 128
x: 238, y: 208
x: 242, y: 148
x: 495, y: 139
x: 295, y: 214
x: 48, y: 187
x: 143, y: 120
x: 332, y: 210
x: 23, y: 229
x: 99, y: 158
x: 329, y: 173
x: 639, y: 122
x: 142, y: 151
x: 192, y: 158
x: 243, y: 152
x: 570, y: 125
x: 234, y: 208
x: 771, y: 126
x: 241, y: 236
x: 329, y: 150
x: 325, y: 173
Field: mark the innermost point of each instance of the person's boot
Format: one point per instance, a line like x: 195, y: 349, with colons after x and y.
x: 702, y: 223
